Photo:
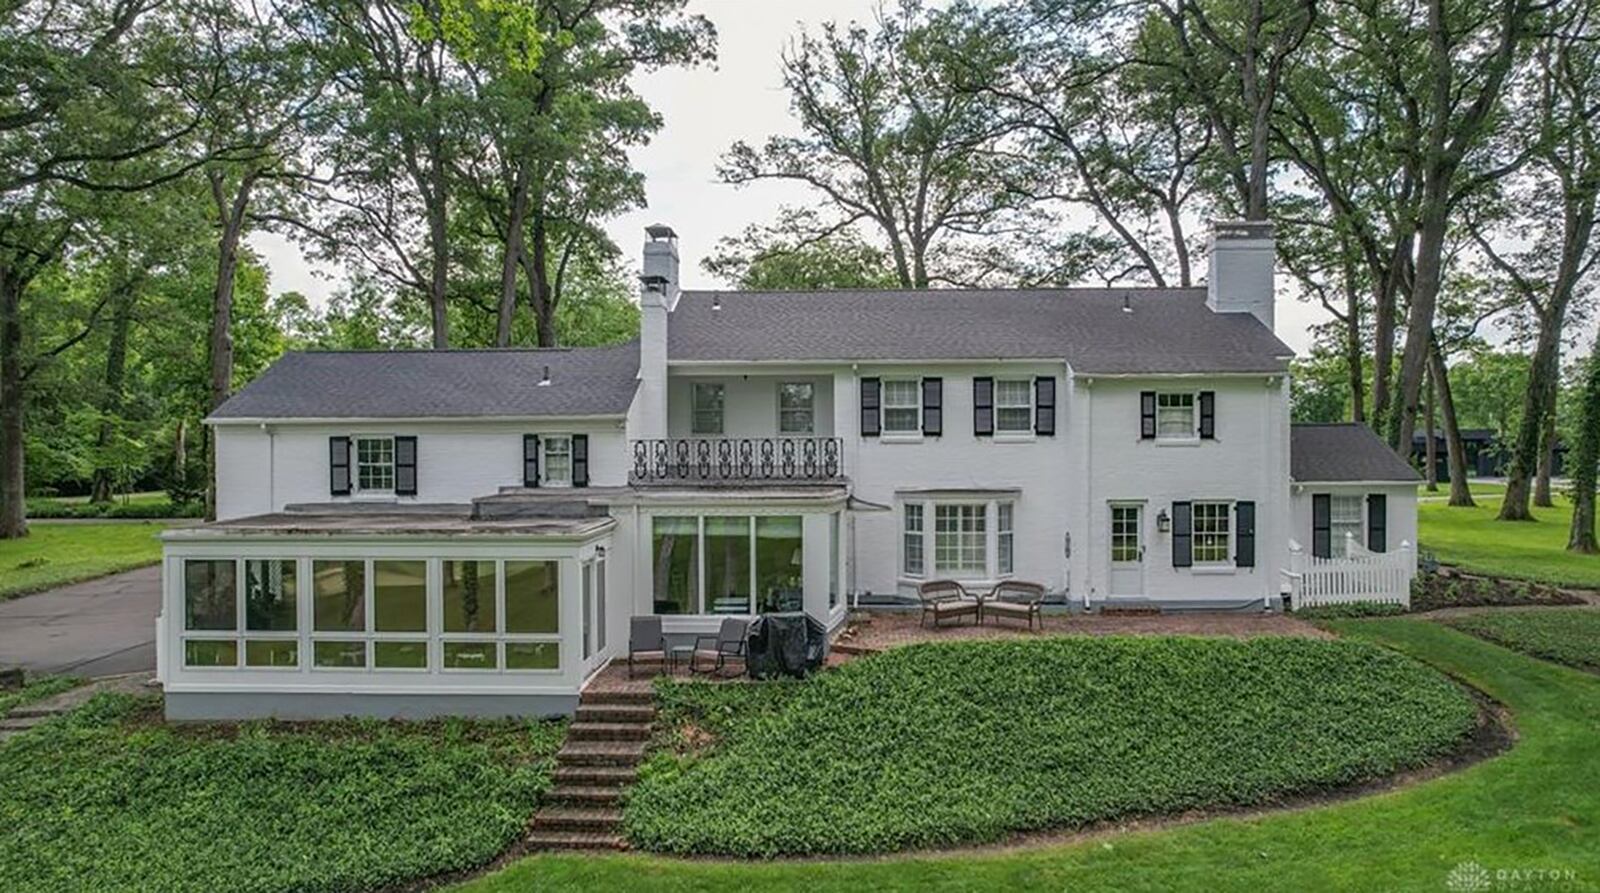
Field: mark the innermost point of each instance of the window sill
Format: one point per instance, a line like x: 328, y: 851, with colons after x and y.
x: 1178, y: 441
x: 1015, y: 437
x: 1213, y: 570
x: 906, y: 437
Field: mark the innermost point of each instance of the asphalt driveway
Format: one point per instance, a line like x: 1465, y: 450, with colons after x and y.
x: 102, y: 627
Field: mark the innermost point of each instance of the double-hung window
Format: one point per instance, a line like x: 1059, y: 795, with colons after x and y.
x: 796, y: 407
x: 1345, y: 516
x: 707, y: 400
x: 911, y: 538
x: 1175, y: 417
x: 1013, y: 406
x: 1212, y: 533
x: 1005, y: 539
x: 375, y: 464
x: 557, y: 460
x: 960, y: 539
x: 902, y: 406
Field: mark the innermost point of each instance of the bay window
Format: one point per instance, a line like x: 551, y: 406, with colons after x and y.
x: 960, y: 539
x: 969, y: 539
x: 911, y: 540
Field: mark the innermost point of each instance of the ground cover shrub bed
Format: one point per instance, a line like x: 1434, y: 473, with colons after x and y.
x: 1454, y: 590
x: 112, y: 798
x: 1351, y: 611
x: 1568, y: 636
x: 946, y: 744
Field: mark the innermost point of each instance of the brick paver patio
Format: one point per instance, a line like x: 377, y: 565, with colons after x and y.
x: 877, y: 630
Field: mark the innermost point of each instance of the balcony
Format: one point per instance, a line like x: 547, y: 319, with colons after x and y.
x: 737, y: 460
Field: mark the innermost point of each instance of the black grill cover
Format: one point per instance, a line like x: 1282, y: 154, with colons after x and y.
x: 789, y: 644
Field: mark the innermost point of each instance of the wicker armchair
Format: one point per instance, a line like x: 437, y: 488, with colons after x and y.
x: 947, y: 598
x: 1016, y: 600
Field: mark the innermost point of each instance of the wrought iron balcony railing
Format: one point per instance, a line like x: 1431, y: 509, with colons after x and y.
x: 737, y: 459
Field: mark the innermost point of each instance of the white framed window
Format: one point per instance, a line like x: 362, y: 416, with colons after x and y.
x: 796, y: 407
x: 1213, y: 534
x: 911, y: 557
x: 902, y: 406
x: 375, y: 464
x: 1005, y: 537
x: 1345, y: 516
x: 1013, y: 406
x: 500, y: 615
x: 1176, y: 417
x: 557, y: 460
x: 960, y: 538
x: 727, y: 564
x: 707, y: 400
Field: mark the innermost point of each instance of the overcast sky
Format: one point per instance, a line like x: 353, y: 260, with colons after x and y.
x: 706, y: 110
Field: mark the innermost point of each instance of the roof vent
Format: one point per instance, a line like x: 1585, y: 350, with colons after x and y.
x: 716, y: 302
x: 1127, y: 304
x: 545, y: 381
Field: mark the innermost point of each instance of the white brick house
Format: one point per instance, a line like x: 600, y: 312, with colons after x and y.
x: 416, y: 533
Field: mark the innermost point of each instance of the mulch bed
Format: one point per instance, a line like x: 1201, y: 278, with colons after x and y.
x: 1451, y: 588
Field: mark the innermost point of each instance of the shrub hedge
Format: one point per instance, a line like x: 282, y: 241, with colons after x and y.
x: 948, y: 744
x: 111, y: 798
x: 52, y: 509
x: 1568, y: 636
x: 1349, y: 610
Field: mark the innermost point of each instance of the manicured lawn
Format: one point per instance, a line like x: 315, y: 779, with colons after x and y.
x: 1471, y: 539
x: 148, y: 497
x: 1526, y: 810
x: 55, y: 554
x: 109, y: 798
x: 968, y: 742
x: 36, y: 689
x: 1569, y: 636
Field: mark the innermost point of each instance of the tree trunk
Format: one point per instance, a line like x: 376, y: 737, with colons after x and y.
x: 1586, y: 457
x: 1547, y: 458
x: 13, y: 486
x: 536, y: 264
x: 1460, y: 493
x: 1419, y: 320
x: 232, y: 215
x: 1538, y: 403
x: 439, y: 246
x: 180, y: 450
x: 1431, y: 465
x: 1354, y: 356
x: 111, y: 397
x: 512, y: 257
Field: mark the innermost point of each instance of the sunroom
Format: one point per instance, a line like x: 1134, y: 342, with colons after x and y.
x: 305, y: 616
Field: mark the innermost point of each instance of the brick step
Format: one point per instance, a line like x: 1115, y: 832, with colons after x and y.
x: 576, y: 840
x: 593, y: 698
x: 585, y: 795
x: 577, y: 818
x: 612, y: 776
x: 853, y: 648
x: 608, y: 731
x: 643, y: 713
x: 600, y: 753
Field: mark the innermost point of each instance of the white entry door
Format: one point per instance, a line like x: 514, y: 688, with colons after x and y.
x: 1127, y: 549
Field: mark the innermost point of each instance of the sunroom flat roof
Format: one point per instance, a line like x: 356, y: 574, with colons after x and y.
x: 421, y: 525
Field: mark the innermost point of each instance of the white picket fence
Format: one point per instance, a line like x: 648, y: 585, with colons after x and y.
x: 1360, y: 576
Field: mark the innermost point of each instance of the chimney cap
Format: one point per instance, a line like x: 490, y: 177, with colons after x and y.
x: 659, y: 231
x: 1241, y: 229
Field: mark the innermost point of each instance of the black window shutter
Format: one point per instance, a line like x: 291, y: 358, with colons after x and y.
x: 1044, y: 405
x: 871, y: 397
x: 1244, y: 553
x: 1147, y: 415
x: 1182, y: 535
x: 1208, y: 415
x: 530, y: 460
x: 1378, y: 522
x: 339, y: 466
x: 1321, y: 525
x: 580, y: 460
x: 933, y: 406
x: 982, y: 407
x: 405, y: 466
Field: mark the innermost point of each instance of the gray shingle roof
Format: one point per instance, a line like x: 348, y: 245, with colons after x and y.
x: 1168, y: 330
x: 1346, y: 451
x: 591, y: 381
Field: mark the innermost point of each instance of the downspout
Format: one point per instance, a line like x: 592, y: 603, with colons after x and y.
x: 1088, y: 484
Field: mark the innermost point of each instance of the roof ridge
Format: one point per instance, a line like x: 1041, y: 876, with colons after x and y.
x: 1020, y: 290
x: 413, y: 351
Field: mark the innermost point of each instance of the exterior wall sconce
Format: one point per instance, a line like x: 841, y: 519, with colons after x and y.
x: 1163, y: 521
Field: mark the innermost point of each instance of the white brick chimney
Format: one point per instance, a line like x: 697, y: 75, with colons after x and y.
x: 657, y: 297
x: 1239, y: 277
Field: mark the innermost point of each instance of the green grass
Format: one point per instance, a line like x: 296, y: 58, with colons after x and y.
x: 1524, y: 810
x: 109, y: 798
x: 1471, y: 539
x: 969, y: 742
x: 56, y: 554
x: 1568, y: 636
x: 147, y: 497
x: 35, y: 690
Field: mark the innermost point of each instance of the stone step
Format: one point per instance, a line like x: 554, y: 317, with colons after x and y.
x: 853, y: 648
x: 14, y: 723
x: 600, y: 753
x: 643, y: 713
x: 577, y: 818
x: 610, y: 776
x: 585, y: 795
x: 30, y: 712
x: 576, y: 840
x: 593, y: 698
x: 608, y: 731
